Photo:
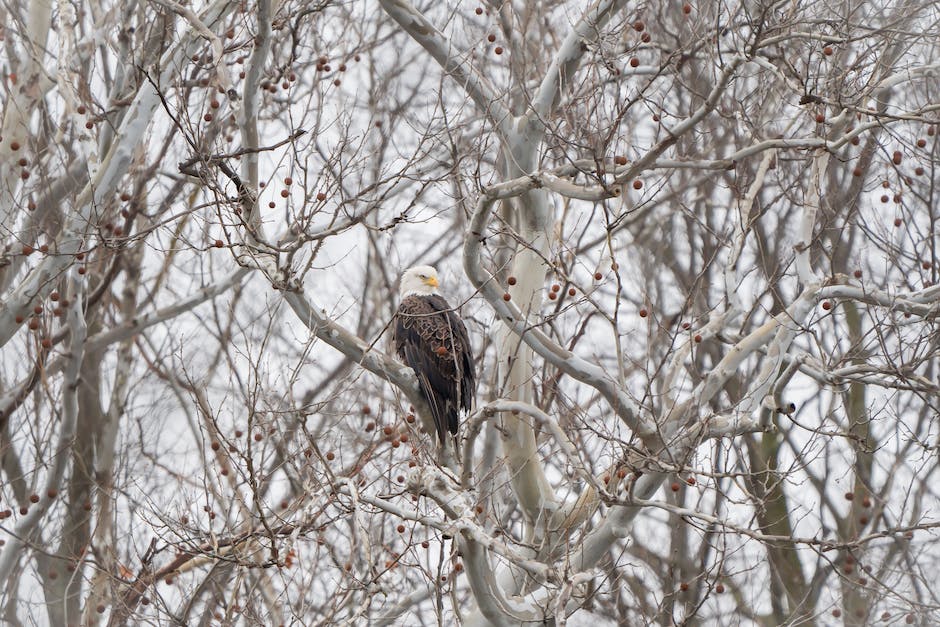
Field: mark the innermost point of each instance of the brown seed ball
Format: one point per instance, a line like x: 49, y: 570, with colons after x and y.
x: 857, y: 172
x: 849, y: 496
x: 400, y: 529
x: 387, y: 430
x: 634, y: 62
x: 258, y: 437
x: 33, y: 498
x: 403, y: 437
x: 720, y: 588
x: 89, y: 125
x: 491, y: 38
x: 410, y: 418
x: 919, y: 171
x: 216, y: 446
x: 857, y: 274
x: 498, y: 50
x: 46, y: 343
x: 478, y: 11
x: 820, y: 118
x: 675, y: 486
x: 507, y: 297
x: 644, y: 313
x: 898, y: 222
x: 598, y: 276
x: 28, y: 250
x: 80, y: 110
x: 511, y: 280
x: 637, y: 184
x: 638, y: 26
x: 909, y: 619
x: 552, y: 296
x: 698, y: 339
x: 645, y: 38
x: 690, y: 480
x: 921, y: 142
x: 827, y: 51
x: 571, y: 291
x: 884, y: 198
x: 207, y: 117
x: 14, y: 146
x: 826, y: 305
x: 686, y: 8
x: 330, y: 456
x: 238, y: 433
x: 321, y: 196
x: 33, y: 324
x: 396, y: 443
x: 82, y: 270
x: 837, y: 612
x: 556, y: 287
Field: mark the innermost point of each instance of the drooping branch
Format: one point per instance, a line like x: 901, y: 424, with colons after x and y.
x: 354, y: 348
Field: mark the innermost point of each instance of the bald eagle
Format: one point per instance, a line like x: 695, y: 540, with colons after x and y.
x: 431, y: 338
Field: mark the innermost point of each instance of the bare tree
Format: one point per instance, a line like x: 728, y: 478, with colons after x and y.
x: 694, y: 245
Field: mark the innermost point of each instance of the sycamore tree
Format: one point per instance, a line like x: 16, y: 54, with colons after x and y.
x: 695, y: 246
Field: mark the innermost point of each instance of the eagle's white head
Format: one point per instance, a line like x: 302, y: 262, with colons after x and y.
x: 420, y: 280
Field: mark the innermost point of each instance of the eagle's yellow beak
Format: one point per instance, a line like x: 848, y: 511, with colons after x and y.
x: 432, y: 281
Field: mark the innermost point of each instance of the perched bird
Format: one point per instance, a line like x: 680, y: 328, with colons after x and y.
x: 431, y: 338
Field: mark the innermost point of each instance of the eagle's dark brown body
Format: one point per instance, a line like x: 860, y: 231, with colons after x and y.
x: 432, y: 340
